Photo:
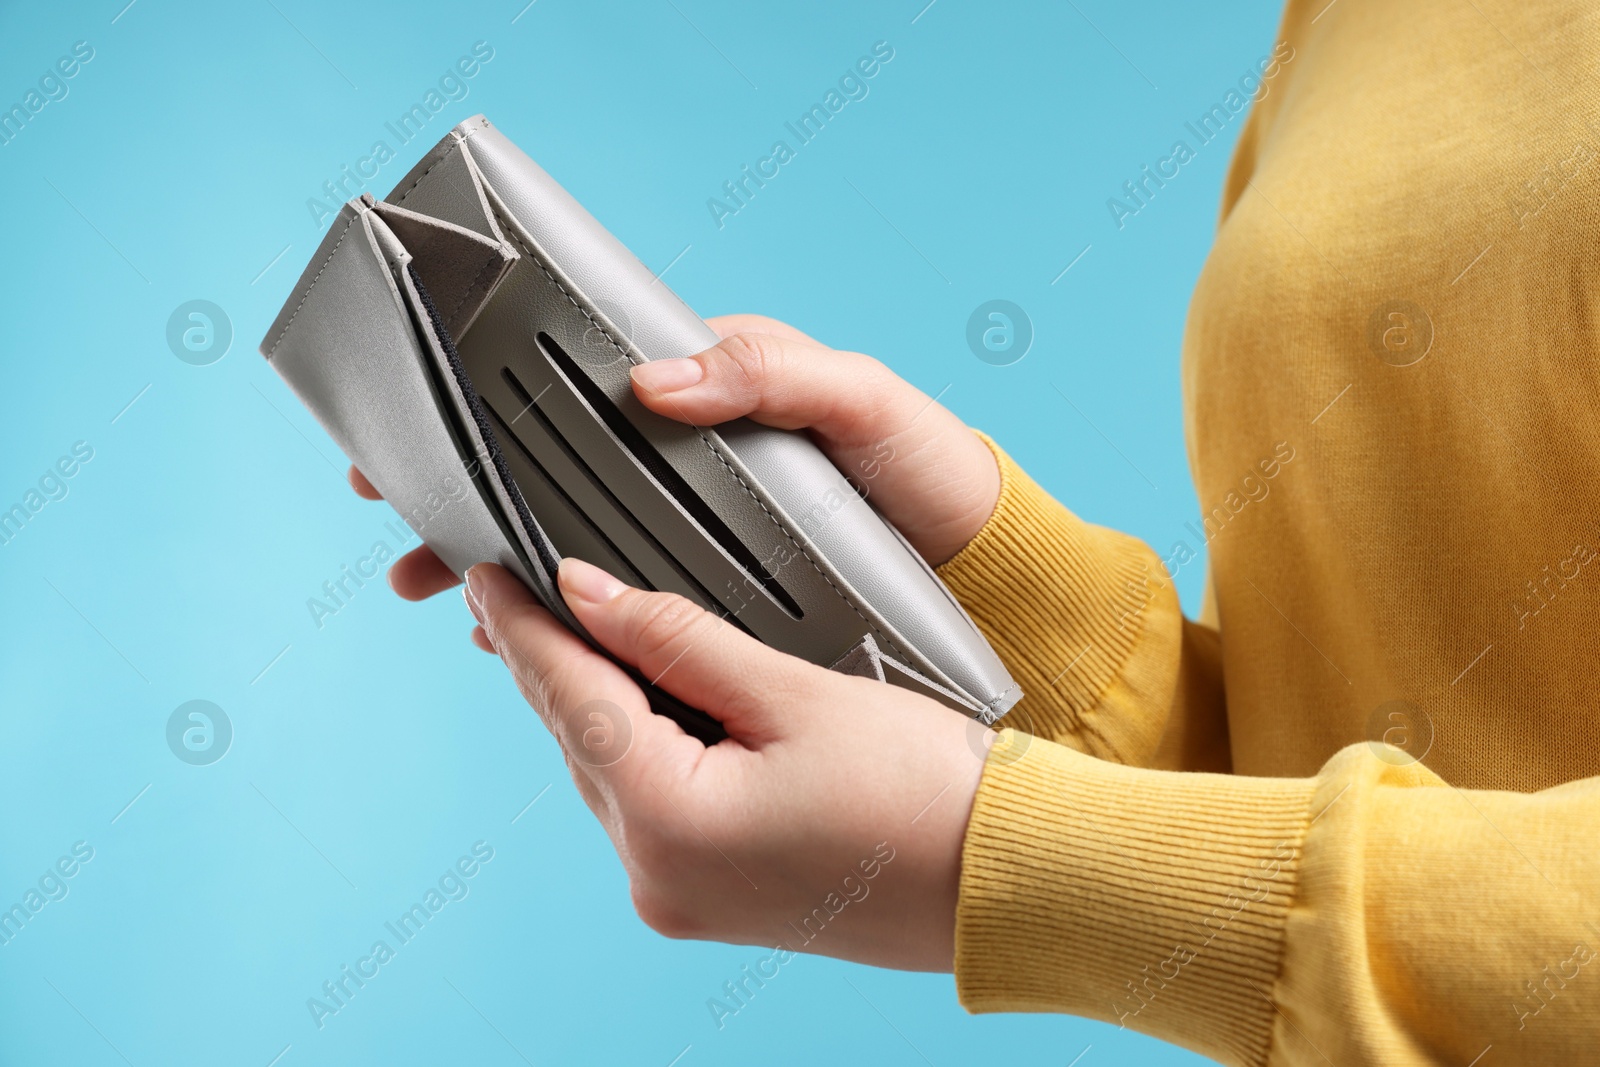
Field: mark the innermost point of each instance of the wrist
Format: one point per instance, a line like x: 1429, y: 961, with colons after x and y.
x: 932, y: 855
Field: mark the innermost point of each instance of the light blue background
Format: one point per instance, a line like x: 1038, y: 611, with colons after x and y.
x: 376, y: 750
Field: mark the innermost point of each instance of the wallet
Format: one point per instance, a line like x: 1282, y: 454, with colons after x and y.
x: 467, y: 341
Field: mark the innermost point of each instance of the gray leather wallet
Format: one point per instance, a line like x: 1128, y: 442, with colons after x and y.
x: 467, y: 342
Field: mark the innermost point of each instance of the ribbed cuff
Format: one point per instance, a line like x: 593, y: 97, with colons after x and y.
x: 1085, y: 619
x: 1152, y: 899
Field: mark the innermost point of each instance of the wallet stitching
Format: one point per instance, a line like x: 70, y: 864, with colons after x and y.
x: 539, y: 259
x: 315, y: 278
x: 310, y: 286
x: 472, y: 288
x: 997, y: 700
x: 484, y: 124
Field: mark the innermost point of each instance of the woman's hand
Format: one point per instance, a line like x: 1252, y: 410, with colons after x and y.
x: 921, y: 467
x: 830, y: 820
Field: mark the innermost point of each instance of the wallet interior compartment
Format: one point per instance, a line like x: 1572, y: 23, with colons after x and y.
x: 480, y: 446
x: 578, y: 436
x: 581, y: 515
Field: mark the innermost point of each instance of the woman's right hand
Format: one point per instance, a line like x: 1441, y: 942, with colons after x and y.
x: 920, y: 466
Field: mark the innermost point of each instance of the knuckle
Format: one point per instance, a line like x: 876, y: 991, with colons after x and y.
x: 878, y: 379
x: 660, y: 620
x: 561, y: 681
x: 529, y: 678
x: 532, y: 678
x: 753, y: 357
x: 873, y: 367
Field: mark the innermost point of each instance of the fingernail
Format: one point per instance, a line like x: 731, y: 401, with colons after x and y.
x: 587, y: 582
x: 472, y: 593
x: 668, y: 375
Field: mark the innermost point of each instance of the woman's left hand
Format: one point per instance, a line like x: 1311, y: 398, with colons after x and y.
x: 830, y: 820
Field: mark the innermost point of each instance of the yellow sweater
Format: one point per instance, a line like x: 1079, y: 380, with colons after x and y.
x: 1391, y: 391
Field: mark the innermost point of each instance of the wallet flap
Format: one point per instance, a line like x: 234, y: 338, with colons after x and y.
x: 347, y: 346
x: 446, y: 184
x: 364, y: 346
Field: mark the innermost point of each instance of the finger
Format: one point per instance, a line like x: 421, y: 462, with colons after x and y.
x: 590, y: 792
x: 420, y: 573
x: 728, y: 325
x: 597, y: 713
x: 849, y: 400
x: 481, y: 639
x: 577, y: 768
x: 935, y: 481
x: 364, y: 489
x: 692, y: 654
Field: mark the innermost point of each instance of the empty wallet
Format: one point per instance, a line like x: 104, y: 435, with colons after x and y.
x: 467, y: 340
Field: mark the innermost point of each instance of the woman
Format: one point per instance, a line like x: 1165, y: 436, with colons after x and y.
x: 1346, y: 817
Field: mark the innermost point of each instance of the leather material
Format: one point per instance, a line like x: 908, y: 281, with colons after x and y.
x: 376, y: 398
x: 481, y: 318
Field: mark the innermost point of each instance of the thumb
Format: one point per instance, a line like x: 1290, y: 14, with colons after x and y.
x: 694, y: 655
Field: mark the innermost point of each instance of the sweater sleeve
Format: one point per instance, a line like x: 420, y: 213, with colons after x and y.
x: 1088, y: 623
x: 1372, y: 914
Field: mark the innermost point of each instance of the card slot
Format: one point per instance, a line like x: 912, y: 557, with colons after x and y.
x: 545, y: 496
x: 480, y: 473
x: 624, y: 523
x: 664, y: 475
